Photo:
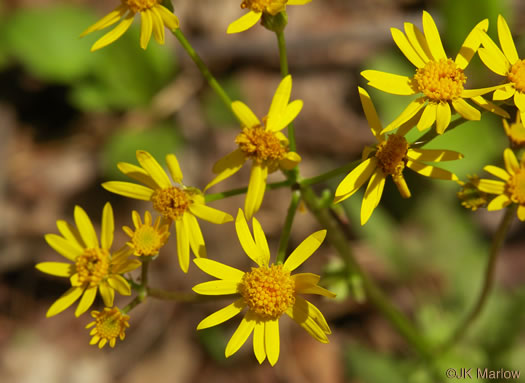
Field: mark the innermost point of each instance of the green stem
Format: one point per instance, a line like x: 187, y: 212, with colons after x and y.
x: 337, y: 238
x: 285, y: 235
x: 203, y: 68
x: 329, y: 175
x: 234, y: 192
x: 488, y: 282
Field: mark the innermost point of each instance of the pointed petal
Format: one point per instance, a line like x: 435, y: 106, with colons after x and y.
x: 247, y: 242
x: 370, y: 113
x: 410, y: 111
x: 245, y: 115
x: 355, y: 179
x: 305, y: 280
x: 286, y: 117
x: 372, y: 195
x: 471, y: 44
x: 259, y: 348
x: 227, y: 166
x: 315, y: 314
x: 299, y: 312
x: 389, y: 82
x: 86, y: 301
x: 240, y: 335
x: 498, y: 172
x: 222, y: 315
x: 174, y: 168
x: 114, y: 34
x: 499, y: 202
x: 290, y: 161
x: 492, y: 56
x: 466, y: 110
x: 431, y: 171
x: 503, y: 93
x: 158, y: 25
x: 146, y: 27
x: 210, y: 214
x: 471, y: 93
x: 154, y: 169
x: 298, y: 2
x: 168, y: 18
x: 418, y: 41
x: 443, y: 115
x: 85, y: 227
x: 118, y: 283
x: 433, y: 155
x: 138, y: 174
x: 432, y: 36
x: 107, y: 294
x: 408, y: 50
x: 183, y: 245
x: 128, y: 189
x: 304, y: 250
x: 511, y: 162
x: 271, y: 340
x: 507, y: 43
x: 195, y: 235
x: 66, y: 300
x: 318, y: 290
x: 256, y: 189
x: 521, y: 213
x: 220, y: 287
x: 108, y: 227
x: 71, y: 234
x: 219, y: 270
x: 245, y: 22
x: 261, y: 242
x: 491, y: 186
x: 491, y: 107
x: 59, y: 269
x: 64, y: 247
x: 280, y: 101
x: 108, y: 20
x: 428, y: 117
x: 519, y: 100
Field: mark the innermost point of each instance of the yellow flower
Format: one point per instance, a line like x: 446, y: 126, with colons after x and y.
x: 154, y: 17
x: 257, y: 8
x: 110, y: 324
x: 440, y: 79
x: 505, y: 62
x: 180, y: 204
x: 267, y: 291
x: 389, y: 157
x: 147, y: 239
x: 263, y: 143
x: 511, y: 189
x: 515, y: 131
x: 93, y: 268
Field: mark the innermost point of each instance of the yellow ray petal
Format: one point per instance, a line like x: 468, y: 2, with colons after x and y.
x: 59, y: 269
x: 66, y: 300
x: 261, y: 242
x: 418, y: 41
x: 146, y: 27
x: 86, y: 301
x: 210, y: 214
x: 300, y: 314
x: 318, y: 290
x: 428, y: 117
x: 491, y: 107
x: 107, y: 227
x: 521, y: 213
x: 290, y: 112
x: 511, y: 162
x: 466, y: 110
x: 280, y: 101
x: 114, y: 34
x: 432, y: 36
x: 355, y: 179
x: 158, y: 25
x: 499, y: 202
x: 174, y: 168
x: 297, y: 2
x: 107, y: 294
x: 85, y: 227
x: 154, y: 169
x: 64, y: 247
x: 305, y: 280
x: 71, y: 234
x: 491, y: 186
x: 247, y: 242
x: 219, y: 270
x: 110, y: 19
x: 227, y: 166
x: 118, y: 283
x: 304, y: 250
x: 507, y: 43
x: 371, y: 114
x: 256, y: 189
x: 290, y: 161
x: 315, y: 314
x: 271, y: 340
x: 519, y: 100
x: 389, y: 82
x: 196, y: 239
x: 471, y: 44
x: 431, y: 171
x: 222, y: 315
x: 245, y: 115
x: 183, y: 245
x: 433, y: 155
x: 221, y: 287
x: 408, y: 50
x: 498, y: 172
x: 245, y: 22
x: 503, y: 93
x: 137, y: 173
x: 492, y: 56
x: 168, y: 18
x: 410, y: 111
x: 372, y: 195
x: 240, y: 335
x: 470, y: 93
x: 128, y: 189
x: 259, y: 348
x: 443, y: 115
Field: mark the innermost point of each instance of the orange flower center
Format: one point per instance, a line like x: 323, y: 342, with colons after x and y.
x: 260, y: 144
x: 272, y: 7
x: 440, y: 80
x: 268, y: 291
x: 391, y: 154
x: 171, y: 202
x: 92, y: 266
x: 516, y: 187
x: 517, y: 75
x: 110, y: 323
x: 140, y: 5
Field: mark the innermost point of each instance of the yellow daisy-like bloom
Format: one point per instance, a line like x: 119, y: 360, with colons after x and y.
x: 93, y: 268
x: 154, y: 17
x: 179, y: 204
x: 109, y: 325
x: 148, y: 238
x: 515, y: 131
x: 438, y: 78
x: 256, y: 10
x: 389, y: 157
x: 505, y: 62
x: 263, y: 143
x: 267, y: 291
x: 511, y: 189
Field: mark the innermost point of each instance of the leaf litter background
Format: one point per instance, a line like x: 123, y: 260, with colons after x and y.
x: 67, y: 116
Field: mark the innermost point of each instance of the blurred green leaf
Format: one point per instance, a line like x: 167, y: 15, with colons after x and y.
x: 121, y: 147
x: 215, y: 111
x: 372, y: 367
